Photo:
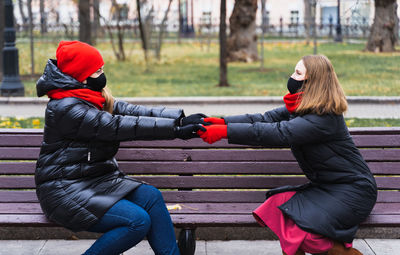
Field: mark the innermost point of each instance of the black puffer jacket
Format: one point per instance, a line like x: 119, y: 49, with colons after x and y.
x: 342, y: 189
x: 77, y: 177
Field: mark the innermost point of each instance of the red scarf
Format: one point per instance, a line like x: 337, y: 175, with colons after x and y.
x: 89, y: 95
x: 292, y: 101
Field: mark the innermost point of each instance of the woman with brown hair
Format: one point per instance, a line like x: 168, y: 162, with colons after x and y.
x: 322, y: 216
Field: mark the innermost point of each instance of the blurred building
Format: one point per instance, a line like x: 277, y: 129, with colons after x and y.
x: 195, y: 13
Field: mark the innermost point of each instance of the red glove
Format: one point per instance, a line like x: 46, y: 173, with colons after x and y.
x: 214, y: 133
x: 217, y: 121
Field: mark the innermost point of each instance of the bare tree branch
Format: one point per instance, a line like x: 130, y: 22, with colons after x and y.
x: 161, y: 32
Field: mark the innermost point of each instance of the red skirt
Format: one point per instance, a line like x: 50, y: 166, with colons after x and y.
x: 291, y: 237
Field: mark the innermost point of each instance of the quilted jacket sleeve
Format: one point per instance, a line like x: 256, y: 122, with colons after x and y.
x: 80, y: 121
x: 300, y: 130
x: 124, y: 108
x: 274, y: 115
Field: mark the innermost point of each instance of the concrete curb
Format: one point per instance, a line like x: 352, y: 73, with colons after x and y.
x: 208, y: 100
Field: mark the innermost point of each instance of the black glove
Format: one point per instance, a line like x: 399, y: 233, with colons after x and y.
x: 188, y: 131
x: 196, y: 118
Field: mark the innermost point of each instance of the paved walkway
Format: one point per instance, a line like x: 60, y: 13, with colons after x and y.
x: 63, y: 247
x: 359, y: 107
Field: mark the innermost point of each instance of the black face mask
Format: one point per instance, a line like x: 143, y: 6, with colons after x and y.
x: 98, y: 83
x: 294, y: 85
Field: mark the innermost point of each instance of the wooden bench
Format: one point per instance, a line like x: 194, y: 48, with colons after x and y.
x: 216, y: 185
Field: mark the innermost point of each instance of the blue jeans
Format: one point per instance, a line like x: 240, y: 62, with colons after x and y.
x: 142, y: 213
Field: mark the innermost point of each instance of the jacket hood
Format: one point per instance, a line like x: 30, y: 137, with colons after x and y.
x: 53, y: 78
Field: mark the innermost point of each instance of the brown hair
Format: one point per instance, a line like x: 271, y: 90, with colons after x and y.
x: 322, y: 91
x: 109, y: 104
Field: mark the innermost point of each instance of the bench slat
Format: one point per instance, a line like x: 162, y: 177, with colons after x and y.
x: 17, y: 167
x: 190, y: 220
x: 376, y: 141
x: 195, y: 208
x: 25, y: 153
x: 361, y: 140
x: 248, y: 220
x: 26, y: 220
x: 382, y: 221
x: 169, y: 196
x: 21, y: 153
x: 20, y: 140
x: 237, y: 155
x: 365, y: 139
x: 199, y: 167
x: 188, y: 182
x: 245, y: 196
x: 206, y: 182
x: 173, y: 167
x: 19, y: 196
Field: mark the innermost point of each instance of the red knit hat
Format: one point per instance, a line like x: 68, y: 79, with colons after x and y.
x: 78, y: 59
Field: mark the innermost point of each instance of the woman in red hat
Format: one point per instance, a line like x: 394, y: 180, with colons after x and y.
x: 322, y: 216
x: 78, y: 181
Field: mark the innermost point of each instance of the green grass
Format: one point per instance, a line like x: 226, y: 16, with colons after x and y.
x: 12, y: 122
x: 356, y: 122
x: 189, y: 70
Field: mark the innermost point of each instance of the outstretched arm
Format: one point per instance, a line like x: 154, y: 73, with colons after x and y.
x: 126, y: 109
x: 300, y: 130
x: 275, y: 115
x: 81, y: 121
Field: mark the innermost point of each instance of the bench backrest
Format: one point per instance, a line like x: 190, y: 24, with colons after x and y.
x: 195, y: 172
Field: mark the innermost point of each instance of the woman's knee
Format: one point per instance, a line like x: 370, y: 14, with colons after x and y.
x: 141, y: 222
x: 156, y: 193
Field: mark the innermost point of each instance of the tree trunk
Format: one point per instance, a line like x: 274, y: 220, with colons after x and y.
x: 30, y: 15
x: 263, y: 24
x: 96, y: 21
x: 242, y: 42
x: 23, y: 16
x: 223, y: 68
x: 84, y: 21
x: 383, y: 36
x: 143, y: 36
x: 2, y: 20
x: 148, y: 24
x: 162, y: 30
x: 179, y: 21
x: 313, y: 24
x: 307, y: 21
x: 56, y: 14
x: 43, y: 18
x: 120, y: 33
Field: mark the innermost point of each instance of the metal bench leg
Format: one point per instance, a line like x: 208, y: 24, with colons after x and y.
x: 187, y: 241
